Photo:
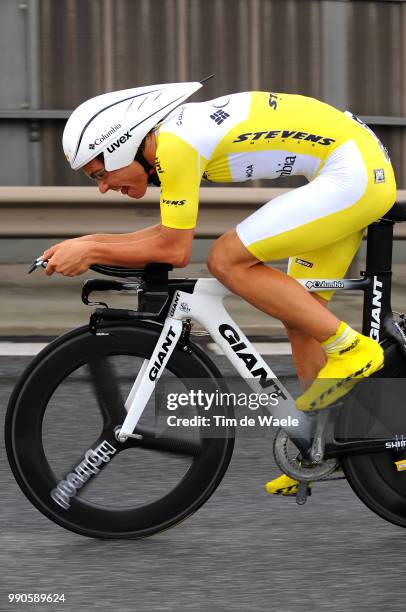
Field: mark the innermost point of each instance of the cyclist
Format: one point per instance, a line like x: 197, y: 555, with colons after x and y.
x: 127, y: 139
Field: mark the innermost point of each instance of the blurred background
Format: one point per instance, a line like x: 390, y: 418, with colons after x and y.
x: 54, y: 54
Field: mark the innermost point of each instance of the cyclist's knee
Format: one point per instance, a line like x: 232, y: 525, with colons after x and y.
x: 219, y: 262
x: 218, y: 265
x: 228, y: 257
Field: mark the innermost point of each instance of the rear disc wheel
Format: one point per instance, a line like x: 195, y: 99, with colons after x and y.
x: 376, y: 409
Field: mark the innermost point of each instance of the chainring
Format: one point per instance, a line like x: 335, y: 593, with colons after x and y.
x: 287, y: 458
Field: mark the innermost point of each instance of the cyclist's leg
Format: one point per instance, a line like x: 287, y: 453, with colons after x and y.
x: 267, y: 288
x: 279, y: 295
x: 307, y: 353
x: 331, y: 261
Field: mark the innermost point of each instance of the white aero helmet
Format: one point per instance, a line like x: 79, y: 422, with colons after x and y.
x: 116, y: 123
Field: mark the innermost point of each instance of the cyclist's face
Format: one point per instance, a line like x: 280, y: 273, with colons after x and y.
x: 131, y: 180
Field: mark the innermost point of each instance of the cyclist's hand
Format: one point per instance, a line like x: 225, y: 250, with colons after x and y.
x: 47, y: 254
x: 69, y: 258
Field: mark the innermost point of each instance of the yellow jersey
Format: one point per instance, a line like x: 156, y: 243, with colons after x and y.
x: 241, y: 137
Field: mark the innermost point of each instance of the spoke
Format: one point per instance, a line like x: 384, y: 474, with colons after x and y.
x: 107, y: 392
x: 166, y: 444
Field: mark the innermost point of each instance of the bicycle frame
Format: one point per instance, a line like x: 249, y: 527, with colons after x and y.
x: 205, y: 306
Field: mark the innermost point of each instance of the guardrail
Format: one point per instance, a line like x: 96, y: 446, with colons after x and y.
x: 52, y: 114
x: 62, y: 212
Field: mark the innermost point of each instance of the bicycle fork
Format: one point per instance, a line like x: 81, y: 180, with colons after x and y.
x: 148, y: 377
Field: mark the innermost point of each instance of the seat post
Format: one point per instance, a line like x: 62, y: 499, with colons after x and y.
x: 377, y: 296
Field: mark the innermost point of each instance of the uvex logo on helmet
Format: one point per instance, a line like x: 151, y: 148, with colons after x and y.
x: 115, y: 145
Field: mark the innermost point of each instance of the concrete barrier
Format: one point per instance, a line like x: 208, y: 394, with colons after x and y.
x: 36, y: 212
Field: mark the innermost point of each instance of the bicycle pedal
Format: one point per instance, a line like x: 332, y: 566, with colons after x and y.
x: 303, y: 492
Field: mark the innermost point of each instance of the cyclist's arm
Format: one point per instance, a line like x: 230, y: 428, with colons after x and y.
x: 164, y: 244
x: 103, y: 238
x: 180, y: 168
x: 128, y: 237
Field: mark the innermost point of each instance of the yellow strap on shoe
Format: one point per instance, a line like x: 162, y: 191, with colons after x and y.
x: 344, y: 337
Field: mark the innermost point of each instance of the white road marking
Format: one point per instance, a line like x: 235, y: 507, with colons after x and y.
x: 263, y: 348
x: 21, y: 348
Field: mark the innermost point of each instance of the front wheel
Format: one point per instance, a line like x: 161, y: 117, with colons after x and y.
x: 61, y: 444
x: 376, y: 409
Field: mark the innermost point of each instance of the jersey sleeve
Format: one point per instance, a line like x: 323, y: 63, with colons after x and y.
x: 180, y: 168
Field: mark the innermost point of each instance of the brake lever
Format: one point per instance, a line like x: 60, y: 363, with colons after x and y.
x: 38, y: 263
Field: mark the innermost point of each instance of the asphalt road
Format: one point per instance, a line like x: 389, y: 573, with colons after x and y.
x: 243, y: 550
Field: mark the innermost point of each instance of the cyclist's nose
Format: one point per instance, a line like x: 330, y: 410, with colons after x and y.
x: 103, y: 187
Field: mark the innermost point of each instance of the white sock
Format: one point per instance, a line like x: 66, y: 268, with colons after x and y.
x: 342, y: 339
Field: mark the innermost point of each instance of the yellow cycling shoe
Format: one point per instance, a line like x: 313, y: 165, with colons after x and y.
x: 283, y: 485
x: 343, y: 370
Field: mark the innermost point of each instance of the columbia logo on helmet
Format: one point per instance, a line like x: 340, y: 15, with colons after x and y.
x: 105, y: 136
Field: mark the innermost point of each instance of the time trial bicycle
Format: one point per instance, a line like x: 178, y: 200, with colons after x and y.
x: 83, y: 432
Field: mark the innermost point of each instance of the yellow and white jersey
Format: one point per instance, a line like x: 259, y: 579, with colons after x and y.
x: 240, y: 137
